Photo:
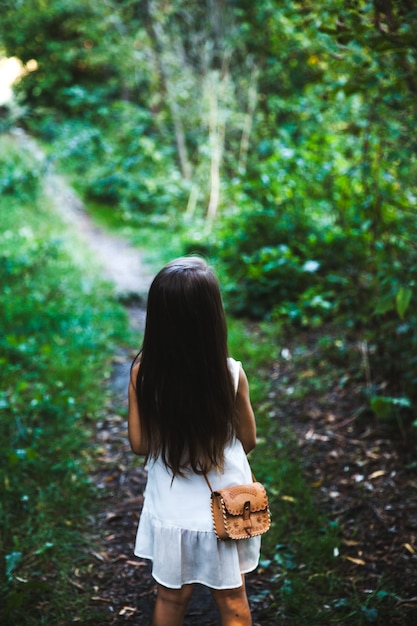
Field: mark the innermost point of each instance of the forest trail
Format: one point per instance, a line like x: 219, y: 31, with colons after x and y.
x: 378, y: 527
x: 122, y: 264
x: 120, y: 586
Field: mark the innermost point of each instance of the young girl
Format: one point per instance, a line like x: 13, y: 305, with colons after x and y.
x: 190, y: 415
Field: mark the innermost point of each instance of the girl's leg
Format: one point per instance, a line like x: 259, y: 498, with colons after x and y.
x: 233, y: 606
x: 171, y: 605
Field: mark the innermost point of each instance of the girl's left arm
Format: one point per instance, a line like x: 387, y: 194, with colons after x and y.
x: 136, y: 439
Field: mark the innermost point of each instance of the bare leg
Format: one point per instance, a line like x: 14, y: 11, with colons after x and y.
x: 171, y: 605
x: 233, y: 606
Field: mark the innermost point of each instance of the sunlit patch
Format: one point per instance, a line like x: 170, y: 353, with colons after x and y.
x: 11, y: 69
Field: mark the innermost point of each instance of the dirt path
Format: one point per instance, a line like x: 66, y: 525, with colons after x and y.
x: 121, y: 263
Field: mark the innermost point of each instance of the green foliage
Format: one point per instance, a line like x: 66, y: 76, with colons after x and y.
x: 58, y: 327
x: 332, y: 274
x: 332, y: 185
x: 79, y: 49
x: 279, y: 261
x: 19, y: 174
x: 306, y: 114
x: 117, y: 160
x: 316, y: 222
x: 320, y: 224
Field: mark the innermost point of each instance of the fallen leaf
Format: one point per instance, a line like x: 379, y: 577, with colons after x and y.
x: 376, y: 474
x: 100, y: 556
x: 307, y: 374
x: 409, y: 547
x: 127, y: 609
x: 110, y: 515
x: 353, y: 560
x: 109, y: 479
x: 373, y: 455
x: 288, y: 498
x: 317, y: 483
x: 75, y: 584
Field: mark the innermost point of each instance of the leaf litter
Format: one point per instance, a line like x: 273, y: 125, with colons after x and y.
x: 362, y: 473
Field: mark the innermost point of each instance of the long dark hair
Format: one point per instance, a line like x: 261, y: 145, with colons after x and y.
x: 184, y: 388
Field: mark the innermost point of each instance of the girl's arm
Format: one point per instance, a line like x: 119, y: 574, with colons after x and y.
x: 246, y: 430
x: 136, y: 438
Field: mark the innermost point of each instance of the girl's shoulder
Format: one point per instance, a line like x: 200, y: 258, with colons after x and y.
x: 235, y: 368
x: 233, y: 363
x: 240, y: 379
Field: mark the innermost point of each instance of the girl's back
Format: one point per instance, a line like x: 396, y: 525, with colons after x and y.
x: 190, y: 415
x: 184, y: 388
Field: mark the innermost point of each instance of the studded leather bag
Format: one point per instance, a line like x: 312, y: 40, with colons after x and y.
x: 240, y: 511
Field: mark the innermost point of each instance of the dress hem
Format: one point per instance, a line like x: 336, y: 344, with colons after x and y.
x: 195, y: 581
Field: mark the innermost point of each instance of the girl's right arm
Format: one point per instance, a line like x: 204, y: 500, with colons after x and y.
x: 246, y: 430
x: 136, y: 439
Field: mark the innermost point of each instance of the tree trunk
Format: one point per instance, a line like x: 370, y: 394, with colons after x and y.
x: 217, y: 132
x: 248, y: 121
x: 157, y: 36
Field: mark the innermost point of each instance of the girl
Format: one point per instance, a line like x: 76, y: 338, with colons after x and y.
x: 190, y: 415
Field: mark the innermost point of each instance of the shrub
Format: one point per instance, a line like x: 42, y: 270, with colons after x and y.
x: 20, y: 173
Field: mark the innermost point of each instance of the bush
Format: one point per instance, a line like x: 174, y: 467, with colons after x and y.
x: 282, y: 262
x: 287, y: 264
x: 119, y: 159
x: 20, y: 174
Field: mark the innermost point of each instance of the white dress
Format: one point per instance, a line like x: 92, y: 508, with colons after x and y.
x: 176, y: 528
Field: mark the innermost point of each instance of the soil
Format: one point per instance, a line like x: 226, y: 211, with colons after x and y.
x: 364, y: 477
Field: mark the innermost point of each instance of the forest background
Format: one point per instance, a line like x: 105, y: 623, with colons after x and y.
x: 275, y: 138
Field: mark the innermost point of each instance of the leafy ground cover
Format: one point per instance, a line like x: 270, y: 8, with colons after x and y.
x: 59, y: 326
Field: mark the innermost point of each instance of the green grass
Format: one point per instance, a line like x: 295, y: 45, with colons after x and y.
x: 59, y: 327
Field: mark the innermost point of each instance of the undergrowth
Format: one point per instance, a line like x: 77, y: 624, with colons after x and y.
x: 59, y: 327
x: 300, y: 554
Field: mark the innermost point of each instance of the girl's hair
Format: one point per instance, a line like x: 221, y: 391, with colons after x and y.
x: 184, y: 388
